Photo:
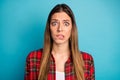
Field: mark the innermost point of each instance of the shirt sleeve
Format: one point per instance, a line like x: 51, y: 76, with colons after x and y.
x: 27, y: 69
x: 92, y: 69
x: 31, y: 66
x: 89, y: 66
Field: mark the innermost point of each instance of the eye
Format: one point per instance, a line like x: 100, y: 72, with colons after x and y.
x: 54, y: 23
x: 66, y: 23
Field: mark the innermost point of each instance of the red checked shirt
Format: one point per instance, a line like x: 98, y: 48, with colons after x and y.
x: 33, y: 65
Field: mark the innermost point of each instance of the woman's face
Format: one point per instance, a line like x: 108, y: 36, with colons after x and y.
x: 60, y: 27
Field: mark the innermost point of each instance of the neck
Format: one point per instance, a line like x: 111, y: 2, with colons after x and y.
x: 62, y: 49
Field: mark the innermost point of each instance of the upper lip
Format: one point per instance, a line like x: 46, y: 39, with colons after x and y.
x: 59, y: 35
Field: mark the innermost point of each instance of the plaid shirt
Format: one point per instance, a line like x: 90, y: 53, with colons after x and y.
x: 33, y: 65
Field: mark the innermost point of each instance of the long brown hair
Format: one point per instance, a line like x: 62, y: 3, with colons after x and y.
x: 78, y: 63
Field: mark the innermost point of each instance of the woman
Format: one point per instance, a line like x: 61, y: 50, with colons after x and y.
x: 60, y: 58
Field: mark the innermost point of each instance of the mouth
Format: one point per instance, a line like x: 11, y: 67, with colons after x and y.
x: 60, y: 36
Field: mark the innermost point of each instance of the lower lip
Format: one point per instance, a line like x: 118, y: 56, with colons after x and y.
x: 60, y: 37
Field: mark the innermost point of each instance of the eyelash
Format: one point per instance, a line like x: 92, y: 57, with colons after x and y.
x: 53, y: 23
x: 66, y: 23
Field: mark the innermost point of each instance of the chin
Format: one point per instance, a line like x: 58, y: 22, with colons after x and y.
x: 60, y: 42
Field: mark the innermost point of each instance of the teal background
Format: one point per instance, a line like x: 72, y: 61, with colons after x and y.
x: 22, y: 24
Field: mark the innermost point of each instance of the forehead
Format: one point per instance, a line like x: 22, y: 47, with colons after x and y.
x: 60, y: 16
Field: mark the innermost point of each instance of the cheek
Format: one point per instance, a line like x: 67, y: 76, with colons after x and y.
x: 68, y: 33
x: 53, y: 30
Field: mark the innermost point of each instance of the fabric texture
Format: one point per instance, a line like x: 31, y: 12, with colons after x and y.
x: 33, y: 65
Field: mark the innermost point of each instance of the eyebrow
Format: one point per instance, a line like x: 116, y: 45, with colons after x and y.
x: 54, y: 20
x: 66, y: 20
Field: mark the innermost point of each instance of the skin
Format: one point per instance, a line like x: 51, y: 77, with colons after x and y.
x: 60, y: 27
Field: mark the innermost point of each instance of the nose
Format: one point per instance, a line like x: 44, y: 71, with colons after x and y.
x: 60, y: 28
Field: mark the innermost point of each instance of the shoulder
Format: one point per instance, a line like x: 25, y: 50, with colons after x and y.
x: 89, y: 66
x: 86, y: 56
x: 35, y: 54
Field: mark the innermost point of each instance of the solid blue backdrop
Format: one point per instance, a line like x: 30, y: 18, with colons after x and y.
x: 22, y: 25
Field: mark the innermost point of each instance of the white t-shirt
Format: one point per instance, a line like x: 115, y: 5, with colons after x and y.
x: 60, y: 75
